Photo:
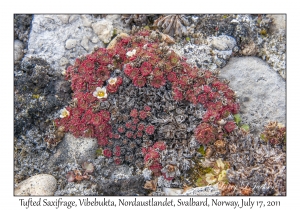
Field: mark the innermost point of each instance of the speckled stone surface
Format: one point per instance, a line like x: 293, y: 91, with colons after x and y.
x: 40, y: 185
x: 261, y: 91
x: 205, y: 191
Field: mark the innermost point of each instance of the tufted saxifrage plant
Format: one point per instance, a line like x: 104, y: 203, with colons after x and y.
x: 147, y: 61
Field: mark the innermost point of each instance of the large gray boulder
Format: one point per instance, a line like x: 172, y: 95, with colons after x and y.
x: 261, y: 91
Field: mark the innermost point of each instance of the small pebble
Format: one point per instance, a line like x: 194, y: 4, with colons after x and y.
x: 71, y: 43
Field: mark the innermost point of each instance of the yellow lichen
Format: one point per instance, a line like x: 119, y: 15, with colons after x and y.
x: 37, y: 96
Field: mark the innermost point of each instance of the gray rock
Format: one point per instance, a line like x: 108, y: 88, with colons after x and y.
x: 48, y: 38
x: 104, y: 30
x: 85, y: 43
x: 204, y: 191
x: 73, y: 18
x: 131, y: 186
x: 40, y: 185
x: 73, y: 149
x: 18, y: 50
x: 63, y: 61
x: 204, y: 56
x: 71, y: 43
x: 261, y: 91
x: 85, y: 21
x: 64, y: 18
x: 222, y: 42
x: 279, y: 22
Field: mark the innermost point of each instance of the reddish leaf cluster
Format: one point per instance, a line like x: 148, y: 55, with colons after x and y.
x: 88, y: 73
x: 205, y: 133
x: 152, y: 157
x: 91, y: 71
x: 82, y: 121
x: 230, y: 126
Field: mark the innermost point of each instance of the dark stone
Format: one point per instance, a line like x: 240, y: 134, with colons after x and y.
x: 132, y: 186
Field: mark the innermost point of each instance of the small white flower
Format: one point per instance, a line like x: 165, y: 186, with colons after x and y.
x: 210, y: 178
x: 131, y: 53
x: 112, y: 81
x: 222, y: 122
x: 100, y: 92
x: 64, y: 113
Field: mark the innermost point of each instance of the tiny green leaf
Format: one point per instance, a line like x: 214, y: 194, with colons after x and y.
x: 115, y: 32
x: 237, y: 118
x: 36, y: 96
x: 201, y: 150
x: 245, y: 127
x: 263, y: 137
x: 187, y: 38
x: 99, y: 152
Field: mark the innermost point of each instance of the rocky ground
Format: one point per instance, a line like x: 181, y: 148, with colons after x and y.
x: 248, y: 51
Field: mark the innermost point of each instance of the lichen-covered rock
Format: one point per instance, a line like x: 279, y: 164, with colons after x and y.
x: 222, y: 42
x: 71, y: 149
x: 104, y: 30
x: 260, y: 90
x: 38, y: 185
x: 212, y: 55
x: 48, y: 38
